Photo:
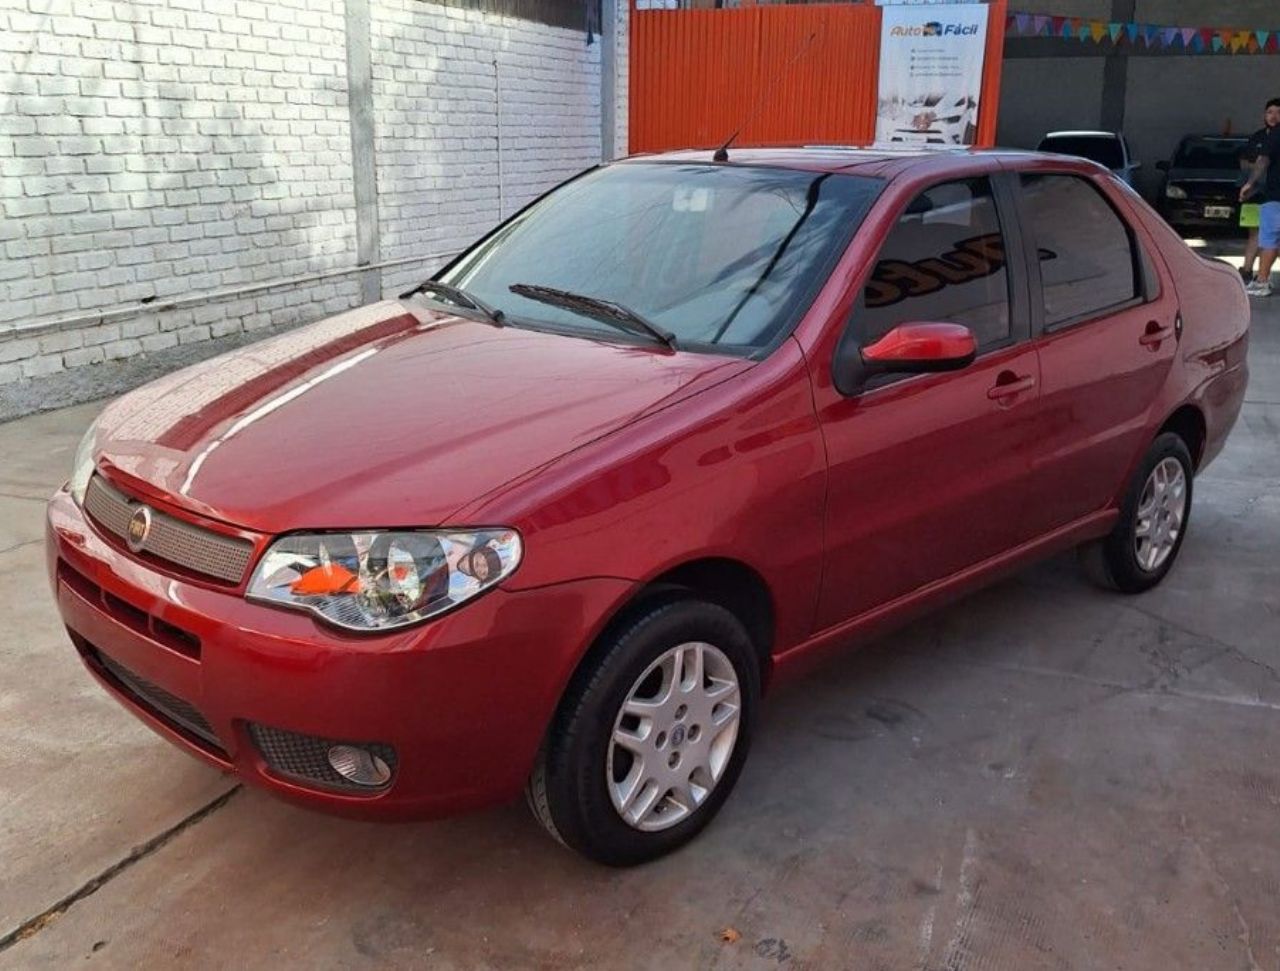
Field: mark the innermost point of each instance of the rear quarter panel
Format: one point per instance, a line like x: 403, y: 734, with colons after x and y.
x: 1211, y: 372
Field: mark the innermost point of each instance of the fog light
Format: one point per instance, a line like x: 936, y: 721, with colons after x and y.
x: 359, y: 766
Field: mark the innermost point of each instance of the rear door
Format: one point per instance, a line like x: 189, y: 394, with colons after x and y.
x: 1106, y: 333
x: 927, y: 473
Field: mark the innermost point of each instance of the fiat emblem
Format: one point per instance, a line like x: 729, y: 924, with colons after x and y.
x: 139, y: 528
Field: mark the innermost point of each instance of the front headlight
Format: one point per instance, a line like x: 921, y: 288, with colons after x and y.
x: 375, y: 581
x: 82, y: 466
x: 1175, y: 192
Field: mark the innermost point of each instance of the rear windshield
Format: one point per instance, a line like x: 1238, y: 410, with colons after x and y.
x: 1209, y: 153
x: 1098, y: 148
x: 726, y: 257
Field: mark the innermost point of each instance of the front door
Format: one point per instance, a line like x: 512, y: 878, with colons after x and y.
x: 927, y: 473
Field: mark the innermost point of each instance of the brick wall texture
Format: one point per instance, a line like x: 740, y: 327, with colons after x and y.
x: 160, y: 149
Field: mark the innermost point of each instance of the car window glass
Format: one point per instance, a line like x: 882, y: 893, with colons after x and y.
x: 724, y: 256
x: 1103, y: 149
x: 944, y: 261
x: 1209, y: 153
x: 1086, y: 254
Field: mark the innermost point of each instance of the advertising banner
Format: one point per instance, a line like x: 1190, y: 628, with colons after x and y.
x: 931, y: 73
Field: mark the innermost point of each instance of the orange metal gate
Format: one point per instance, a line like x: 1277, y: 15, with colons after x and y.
x: 697, y: 75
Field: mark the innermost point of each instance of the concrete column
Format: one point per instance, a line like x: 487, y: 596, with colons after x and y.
x: 608, y: 78
x: 363, y: 164
x: 1115, y: 73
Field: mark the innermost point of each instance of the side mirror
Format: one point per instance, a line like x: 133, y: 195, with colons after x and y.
x: 907, y: 349
x: 1162, y: 166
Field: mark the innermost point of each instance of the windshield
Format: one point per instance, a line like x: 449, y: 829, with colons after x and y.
x: 726, y: 258
x: 1209, y: 153
x: 1103, y: 149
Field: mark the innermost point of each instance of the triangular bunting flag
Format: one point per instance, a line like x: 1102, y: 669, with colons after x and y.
x: 1218, y: 44
x: 1040, y: 24
x: 1240, y: 41
x: 1057, y: 25
x: 1097, y: 30
x: 1188, y: 34
x: 1152, y: 34
x: 1115, y: 30
x: 1132, y: 31
x: 1022, y: 22
x: 1262, y: 36
x: 1169, y: 36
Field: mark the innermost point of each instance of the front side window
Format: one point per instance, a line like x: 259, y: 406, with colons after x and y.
x: 727, y: 258
x: 1087, y: 263
x: 944, y: 262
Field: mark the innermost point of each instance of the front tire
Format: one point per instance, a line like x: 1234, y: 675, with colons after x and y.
x: 1141, y: 549
x: 651, y: 737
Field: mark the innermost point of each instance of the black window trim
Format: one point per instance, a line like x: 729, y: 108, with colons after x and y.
x: 1008, y: 215
x: 1143, y: 275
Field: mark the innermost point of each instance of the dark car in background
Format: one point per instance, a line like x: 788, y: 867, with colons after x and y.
x: 1201, y: 185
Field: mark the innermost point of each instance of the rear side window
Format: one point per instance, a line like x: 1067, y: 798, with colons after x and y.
x: 1087, y: 263
x: 944, y: 261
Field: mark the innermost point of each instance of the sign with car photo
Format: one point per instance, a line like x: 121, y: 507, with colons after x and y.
x: 931, y: 73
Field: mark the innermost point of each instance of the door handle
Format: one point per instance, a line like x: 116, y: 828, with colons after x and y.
x: 1010, y: 385
x: 1155, y: 335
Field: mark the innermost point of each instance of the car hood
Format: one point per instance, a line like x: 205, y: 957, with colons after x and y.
x: 1204, y: 175
x: 389, y: 415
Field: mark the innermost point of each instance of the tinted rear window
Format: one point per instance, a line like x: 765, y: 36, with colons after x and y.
x: 1105, y: 151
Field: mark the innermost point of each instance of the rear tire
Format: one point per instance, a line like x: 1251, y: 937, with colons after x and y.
x: 623, y: 788
x: 1154, y: 516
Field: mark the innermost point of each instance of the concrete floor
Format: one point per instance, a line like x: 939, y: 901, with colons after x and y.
x: 1045, y: 776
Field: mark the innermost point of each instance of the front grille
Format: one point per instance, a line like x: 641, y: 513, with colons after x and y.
x: 127, y: 615
x: 170, y: 707
x: 306, y: 757
x: 171, y: 540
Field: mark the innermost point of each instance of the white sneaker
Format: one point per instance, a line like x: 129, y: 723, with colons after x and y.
x: 1259, y: 288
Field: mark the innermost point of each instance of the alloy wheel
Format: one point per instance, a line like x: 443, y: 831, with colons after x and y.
x: 1161, y: 512
x: 673, y: 736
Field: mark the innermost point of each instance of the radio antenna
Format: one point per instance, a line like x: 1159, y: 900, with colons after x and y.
x: 722, y: 153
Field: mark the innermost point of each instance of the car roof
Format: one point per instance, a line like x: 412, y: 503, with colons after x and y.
x: 1082, y: 134
x: 873, y: 160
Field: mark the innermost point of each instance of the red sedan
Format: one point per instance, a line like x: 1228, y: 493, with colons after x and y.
x: 554, y: 519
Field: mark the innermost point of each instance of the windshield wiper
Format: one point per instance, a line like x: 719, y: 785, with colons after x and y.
x: 624, y: 318
x: 459, y: 296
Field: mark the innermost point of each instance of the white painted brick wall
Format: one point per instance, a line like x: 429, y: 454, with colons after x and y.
x: 155, y: 148
x: 161, y: 148
x: 437, y: 116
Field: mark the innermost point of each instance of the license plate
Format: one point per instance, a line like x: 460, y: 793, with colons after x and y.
x: 1217, y: 212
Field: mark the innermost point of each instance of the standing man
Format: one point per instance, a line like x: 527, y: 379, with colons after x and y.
x: 1266, y: 175
x: 1250, y: 211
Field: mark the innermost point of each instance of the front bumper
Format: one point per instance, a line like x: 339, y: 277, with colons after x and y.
x: 1191, y: 212
x: 462, y: 701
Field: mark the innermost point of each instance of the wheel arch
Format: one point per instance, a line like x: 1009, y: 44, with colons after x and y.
x: 723, y: 581
x: 1188, y: 423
